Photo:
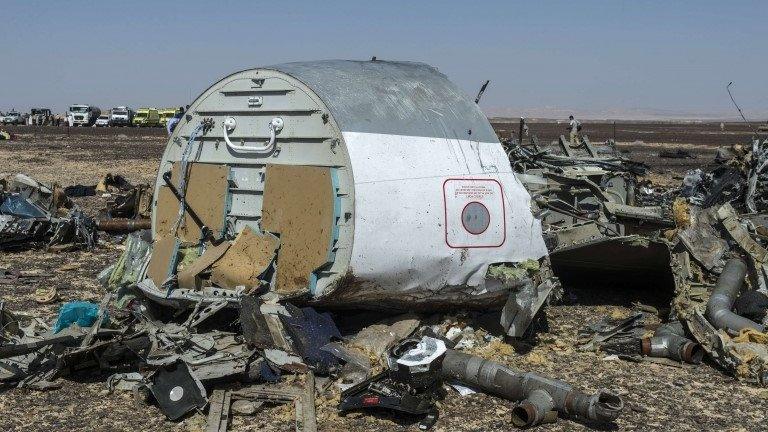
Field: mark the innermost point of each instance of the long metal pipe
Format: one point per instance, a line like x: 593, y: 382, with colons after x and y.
x: 538, y: 397
x: 726, y: 290
x: 669, y: 341
x: 123, y: 225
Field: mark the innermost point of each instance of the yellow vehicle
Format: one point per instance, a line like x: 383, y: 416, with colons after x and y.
x: 165, y: 115
x: 146, y: 117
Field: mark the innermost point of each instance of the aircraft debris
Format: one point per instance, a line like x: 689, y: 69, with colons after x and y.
x: 128, y: 208
x: 539, y: 399
x: 33, y: 213
x: 234, y: 280
x: 677, y: 154
x: 669, y: 341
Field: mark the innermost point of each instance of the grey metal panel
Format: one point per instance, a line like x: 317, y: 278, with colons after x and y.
x: 310, y: 137
x: 290, y: 153
x: 256, y: 127
x: 399, y: 98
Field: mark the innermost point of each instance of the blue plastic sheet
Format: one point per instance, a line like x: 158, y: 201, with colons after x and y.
x: 84, y: 314
x: 310, y: 330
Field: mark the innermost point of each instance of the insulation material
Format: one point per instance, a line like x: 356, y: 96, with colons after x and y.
x: 188, y: 277
x: 186, y: 256
x: 207, y: 194
x: 163, y: 260
x: 411, y: 195
x: 166, y: 212
x: 245, y: 260
x: 299, y: 205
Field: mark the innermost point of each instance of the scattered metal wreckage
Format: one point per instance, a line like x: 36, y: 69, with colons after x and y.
x: 34, y: 213
x: 629, y: 339
x: 210, y: 296
x: 729, y: 323
x: 184, y: 360
x: 586, y: 197
x: 259, y: 229
x: 128, y: 209
x: 587, y: 205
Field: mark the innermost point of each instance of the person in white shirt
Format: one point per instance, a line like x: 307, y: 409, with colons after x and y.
x: 575, y: 127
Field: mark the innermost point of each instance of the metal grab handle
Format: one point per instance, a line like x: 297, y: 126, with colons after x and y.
x: 275, y: 126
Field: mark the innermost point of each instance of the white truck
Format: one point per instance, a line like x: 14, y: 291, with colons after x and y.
x: 121, y: 116
x: 13, y: 117
x: 82, y: 115
x: 40, y: 117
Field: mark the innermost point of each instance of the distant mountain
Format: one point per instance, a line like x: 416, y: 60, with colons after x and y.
x: 551, y: 112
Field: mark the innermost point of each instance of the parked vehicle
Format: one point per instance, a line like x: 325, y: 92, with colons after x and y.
x: 40, y: 117
x: 165, y: 115
x: 146, y: 117
x: 13, y: 117
x: 83, y: 115
x: 102, y: 121
x: 121, y: 116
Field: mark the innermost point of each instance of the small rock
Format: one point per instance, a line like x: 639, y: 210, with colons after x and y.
x: 453, y: 333
x: 69, y: 267
x: 245, y: 407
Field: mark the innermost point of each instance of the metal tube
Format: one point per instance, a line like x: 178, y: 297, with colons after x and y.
x: 123, y: 225
x: 669, y: 341
x: 535, y: 409
x: 530, y: 389
x: 721, y: 301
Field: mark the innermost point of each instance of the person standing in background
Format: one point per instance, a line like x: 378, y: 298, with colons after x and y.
x: 172, y: 122
x: 575, y: 127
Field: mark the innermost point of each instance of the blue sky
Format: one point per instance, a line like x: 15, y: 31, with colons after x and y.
x: 585, y: 55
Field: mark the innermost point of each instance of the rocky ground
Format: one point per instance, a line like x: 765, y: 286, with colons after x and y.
x: 657, y: 397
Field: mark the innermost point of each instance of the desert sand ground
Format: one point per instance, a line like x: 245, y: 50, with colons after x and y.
x: 657, y: 397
